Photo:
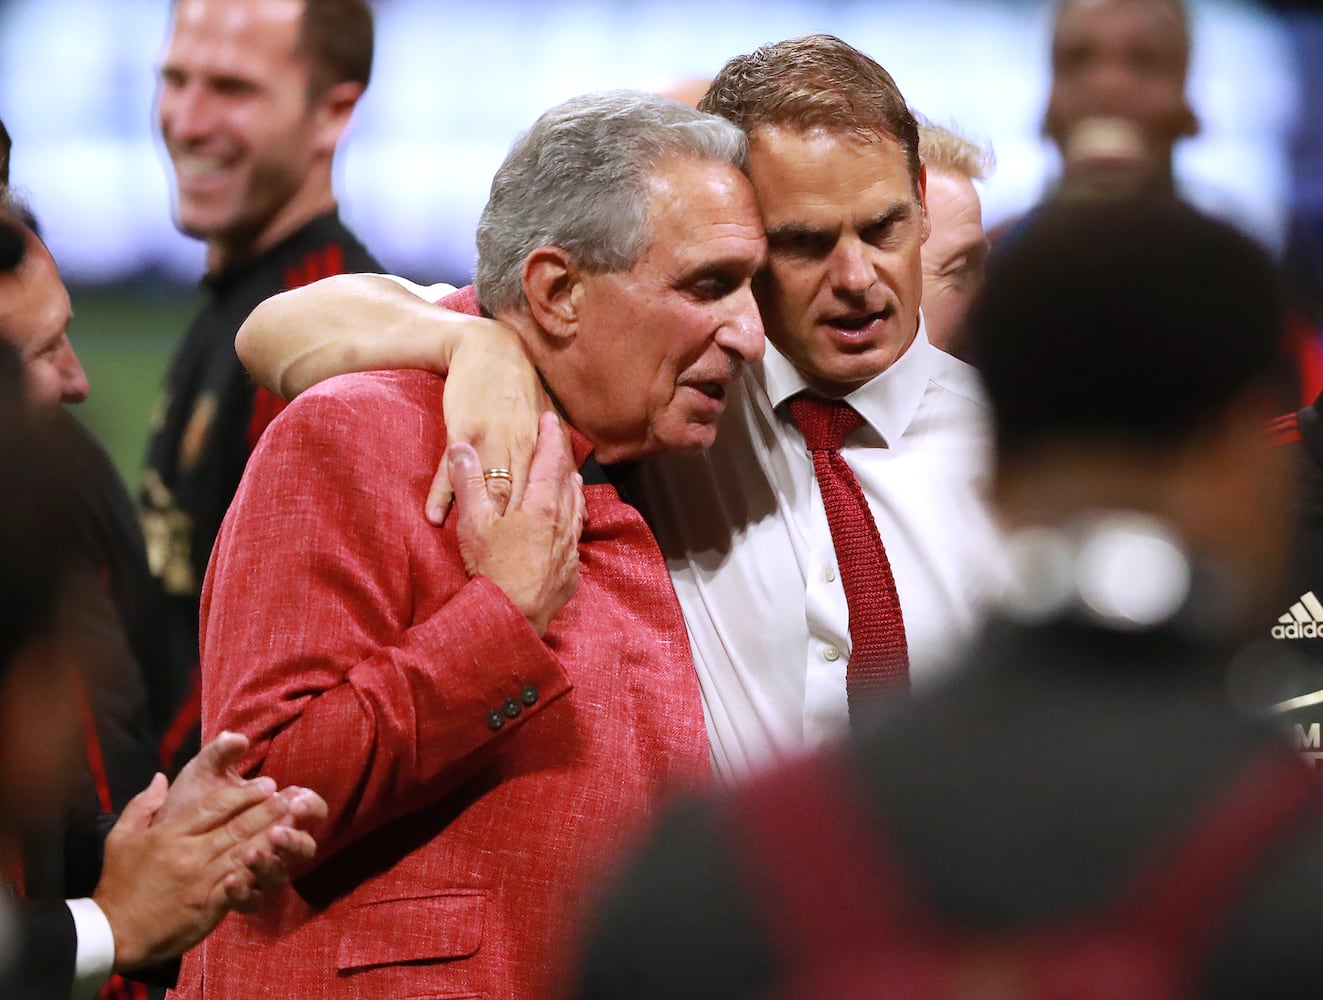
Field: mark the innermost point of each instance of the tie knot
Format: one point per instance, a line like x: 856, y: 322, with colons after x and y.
x: 825, y: 423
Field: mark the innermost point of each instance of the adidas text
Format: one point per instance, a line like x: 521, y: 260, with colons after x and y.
x: 1298, y: 630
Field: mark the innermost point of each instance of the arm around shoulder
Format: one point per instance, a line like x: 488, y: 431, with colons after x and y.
x: 344, y: 323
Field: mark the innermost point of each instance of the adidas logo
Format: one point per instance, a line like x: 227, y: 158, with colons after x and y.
x: 1303, y: 621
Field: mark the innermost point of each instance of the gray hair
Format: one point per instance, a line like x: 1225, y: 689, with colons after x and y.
x: 578, y: 180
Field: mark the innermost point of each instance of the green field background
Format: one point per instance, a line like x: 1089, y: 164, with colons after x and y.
x: 125, y: 336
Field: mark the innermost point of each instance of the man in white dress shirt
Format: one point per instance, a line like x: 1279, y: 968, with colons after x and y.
x: 835, y: 166
x: 837, y: 173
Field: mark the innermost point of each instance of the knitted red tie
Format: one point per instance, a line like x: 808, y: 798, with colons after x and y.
x: 879, y: 657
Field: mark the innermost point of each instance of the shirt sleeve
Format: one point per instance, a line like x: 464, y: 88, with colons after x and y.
x: 432, y: 293
x: 95, y: 957
x: 340, y: 631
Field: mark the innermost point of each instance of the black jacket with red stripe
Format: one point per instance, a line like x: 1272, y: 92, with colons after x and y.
x: 208, y: 419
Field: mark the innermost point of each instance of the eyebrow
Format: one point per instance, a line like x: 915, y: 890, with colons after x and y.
x: 724, y: 266
x: 898, y: 212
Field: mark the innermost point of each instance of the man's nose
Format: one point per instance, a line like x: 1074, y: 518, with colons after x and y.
x: 74, y: 386
x: 851, y: 268
x: 187, y: 112
x: 742, y: 335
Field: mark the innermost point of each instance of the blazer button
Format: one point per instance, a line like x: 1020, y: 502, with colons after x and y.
x: 528, y: 695
x: 512, y: 708
x: 495, y: 720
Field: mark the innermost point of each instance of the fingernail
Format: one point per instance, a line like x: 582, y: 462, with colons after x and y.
x: 459, y: 456
x: 266, y: 784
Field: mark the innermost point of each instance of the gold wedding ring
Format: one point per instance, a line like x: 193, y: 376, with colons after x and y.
x: 498, y: 473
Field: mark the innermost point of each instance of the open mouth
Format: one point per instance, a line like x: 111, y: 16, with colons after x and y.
x: 856, y: 323
x: 712, y: 390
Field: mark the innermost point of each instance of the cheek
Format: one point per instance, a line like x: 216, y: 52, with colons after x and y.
x: 42, y: 383
x: 787, y: 290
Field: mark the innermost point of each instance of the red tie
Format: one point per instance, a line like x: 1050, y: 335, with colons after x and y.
x: 879, y: 657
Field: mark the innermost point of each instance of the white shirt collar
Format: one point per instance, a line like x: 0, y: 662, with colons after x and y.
x: 887, y: 402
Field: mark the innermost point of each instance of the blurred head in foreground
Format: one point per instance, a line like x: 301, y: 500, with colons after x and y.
x: 1132, y: 351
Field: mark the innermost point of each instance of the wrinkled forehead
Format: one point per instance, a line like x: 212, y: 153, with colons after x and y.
x: 696, y: 205
x: 811, y: 160
x: 952, y: 197
x: 824, y: 168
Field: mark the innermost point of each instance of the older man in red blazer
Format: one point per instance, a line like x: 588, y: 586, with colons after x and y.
x: 485, y: 740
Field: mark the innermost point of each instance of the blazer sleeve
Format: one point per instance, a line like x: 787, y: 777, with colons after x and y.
x: 340, y: 632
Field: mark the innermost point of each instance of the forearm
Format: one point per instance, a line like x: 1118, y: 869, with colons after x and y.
x: 345, y: 323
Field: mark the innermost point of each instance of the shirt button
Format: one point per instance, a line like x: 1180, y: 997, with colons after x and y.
x: 528, y: 695
x: 829, y: 574
x: 495, y: 720
x: 831, y: 654
x: 512, y: 708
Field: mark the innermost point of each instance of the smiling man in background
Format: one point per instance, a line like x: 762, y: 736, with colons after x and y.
x: 254, y: 98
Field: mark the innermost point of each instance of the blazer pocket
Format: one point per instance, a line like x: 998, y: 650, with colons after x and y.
x: 445, y: 925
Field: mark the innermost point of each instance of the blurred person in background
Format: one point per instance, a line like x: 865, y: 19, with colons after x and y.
x: 86, y: 894
x: 1118, y: 108
x: 955, y: 254
x: 1083, y: 812
x: 107, y: 620
x: 1118, y: 104
x: 800, y: 619
x: 35, y: 313
x: 253, y: 100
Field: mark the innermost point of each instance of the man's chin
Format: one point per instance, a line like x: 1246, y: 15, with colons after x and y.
x: 842, y: 363
x: 840, y: 372
x: 690, y: 439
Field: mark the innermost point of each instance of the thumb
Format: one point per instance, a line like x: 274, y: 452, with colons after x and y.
x: 471, y: 499
x: 138, y: 814
x: 221, y: 754
x: 439, y: 495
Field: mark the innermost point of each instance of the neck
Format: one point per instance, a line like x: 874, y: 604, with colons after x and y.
x: 315, y: 198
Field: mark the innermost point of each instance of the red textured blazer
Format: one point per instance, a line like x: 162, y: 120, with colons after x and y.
x: 480, y: 780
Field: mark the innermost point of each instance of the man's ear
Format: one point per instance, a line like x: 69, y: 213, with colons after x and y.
x: 333, y: 111
x: 553, y: 285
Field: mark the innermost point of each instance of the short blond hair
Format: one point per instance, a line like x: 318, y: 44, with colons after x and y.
x: 946, y: 149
